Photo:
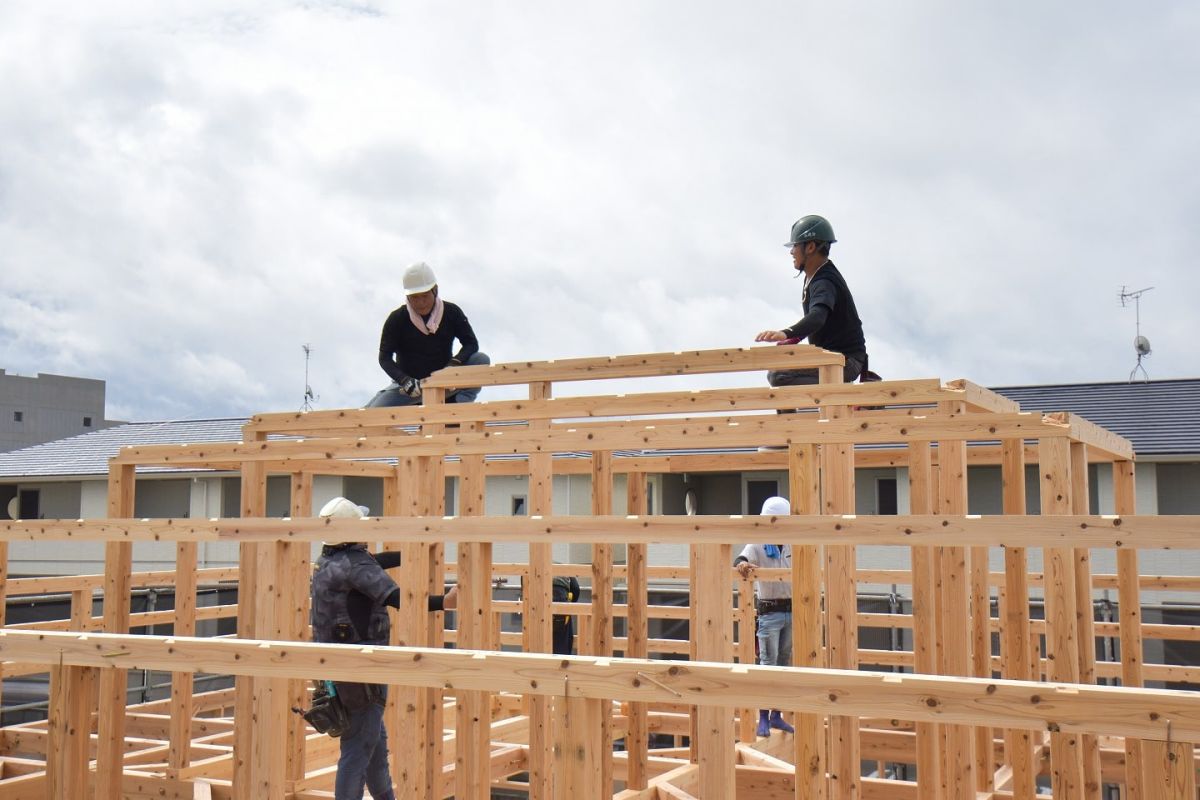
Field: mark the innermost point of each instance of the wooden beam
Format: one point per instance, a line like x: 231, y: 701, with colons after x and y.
x: 536, y: 617
x: 1015, y: 641
x: 637, y: 735
x: 72, y: 697
x: 808, y: 623
x: 118, y: 564
x: 925, y: 620
x: 1105, y: 710
x: 1129, y: 602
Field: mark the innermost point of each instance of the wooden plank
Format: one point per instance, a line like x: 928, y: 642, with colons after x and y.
x: 253, y: 504
x: 600, y: 624
x: 4, y: 591
x: 1065, y: 749
x: 714, y: 643
x: 693, y: 362
x: 841, y: 598
x: 375, y: 421
x: 296, y: 610
x: 808, y: 628
x: 180, y: 730
x: 72, y: 698
x: 746, y: 431
x: 1129, y: 602
x: 413, y: 772
x: 925, y: 620
x: 472, y: 774
x: 270, y: 731
x: 1170, y: 772
x: 1104, y: 710
x: 637, y: 735
x: 1014, y: 647
x: 118, y: 564
x: 536, y: 617
x: 963, y: 773
x: 1174, y: 532
x: 1085, y: 615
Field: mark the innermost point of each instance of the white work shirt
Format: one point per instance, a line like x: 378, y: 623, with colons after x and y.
x: 756, y: 554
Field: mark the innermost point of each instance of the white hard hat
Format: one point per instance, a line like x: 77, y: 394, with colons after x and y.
x: 341, y: 507
x: 776, y: 506
x: 419, y: 278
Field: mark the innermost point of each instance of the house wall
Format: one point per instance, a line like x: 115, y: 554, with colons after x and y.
x: 49, y: 406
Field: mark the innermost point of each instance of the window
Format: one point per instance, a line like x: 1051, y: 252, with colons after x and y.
x: 518, y: 505
x: 87, y: 422
x: 18, y: 416
x: 885, y: 496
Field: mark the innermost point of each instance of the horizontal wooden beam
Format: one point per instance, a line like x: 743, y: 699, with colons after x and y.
x: 371, y: 421
x: 1118, y: 711
x: 1148, y: 532
x: 692, y: 362
x: 775, y: 429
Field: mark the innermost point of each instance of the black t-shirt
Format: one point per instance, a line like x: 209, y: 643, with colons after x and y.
x: 842, y: 331
x: 406, y: 352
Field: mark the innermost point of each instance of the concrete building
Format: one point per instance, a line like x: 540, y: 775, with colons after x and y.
x: 48, y: 407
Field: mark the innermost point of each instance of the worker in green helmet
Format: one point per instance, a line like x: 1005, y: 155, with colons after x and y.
x: 830, y: 318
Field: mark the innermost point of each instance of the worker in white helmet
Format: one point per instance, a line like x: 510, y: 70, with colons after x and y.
x: 774, y: 606
x: 418, y: 340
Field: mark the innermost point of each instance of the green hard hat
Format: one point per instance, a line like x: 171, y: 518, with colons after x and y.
x: 812, y: 228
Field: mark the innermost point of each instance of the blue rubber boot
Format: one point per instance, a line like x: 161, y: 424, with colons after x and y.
x: 778, y: 723
x: 764, y: 723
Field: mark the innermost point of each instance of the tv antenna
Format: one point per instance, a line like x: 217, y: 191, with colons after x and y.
x: 309, y: 397
x: 1141, y: 345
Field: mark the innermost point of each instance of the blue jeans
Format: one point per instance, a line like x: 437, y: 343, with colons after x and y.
x: 391, y: 395
x: 364, y: 759
x: 775, y: 639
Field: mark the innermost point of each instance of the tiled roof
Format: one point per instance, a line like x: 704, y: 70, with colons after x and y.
x: 88, y: 453
x: 1158, y: 417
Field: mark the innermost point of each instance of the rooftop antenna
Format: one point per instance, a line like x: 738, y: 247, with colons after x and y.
x: 1141, y: 345
x: 309, y: 397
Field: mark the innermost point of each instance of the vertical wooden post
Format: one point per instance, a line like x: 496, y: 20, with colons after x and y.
x: 180, y: 723
x: 118, y: 566
x: 536, y: 600
x: 714, y: 642
x: 72, y: 698
x: 1170, y: 773
x: 474, y: 708
x: 583, y: 727
x: 1129, y: 601
x: 1014, y: 646
x: 925, y: 620
x: 1066, y: 761
x: 3, y: 600
x: 804, y: 489
x: 962, y: 762
x: 295, y: 623
x: 270, y: 736
x: 637, y: 735
x: 412, y: 774
x: 246, y: 689
x: 841, y: 599
x: 1085, y: 618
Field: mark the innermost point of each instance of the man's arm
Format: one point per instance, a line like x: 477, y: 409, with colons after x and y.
x: 466, y: 338
x: 390, y: 359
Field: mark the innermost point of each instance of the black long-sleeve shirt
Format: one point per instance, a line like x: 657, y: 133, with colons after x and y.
x: 405, y: 352
x: 830, y: 316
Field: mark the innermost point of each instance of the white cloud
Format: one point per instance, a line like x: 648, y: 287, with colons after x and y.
x: 188, y: 194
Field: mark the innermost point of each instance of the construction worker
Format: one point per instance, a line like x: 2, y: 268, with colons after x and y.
x: 773, y: 602
x: 830, y: 317
x: 418, y: 338
x: 564, y: 589
x: 350, y: 595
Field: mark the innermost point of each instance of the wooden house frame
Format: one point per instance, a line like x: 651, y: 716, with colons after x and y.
x: 981, y: 711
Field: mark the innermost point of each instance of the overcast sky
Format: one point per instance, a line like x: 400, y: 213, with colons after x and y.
x: 189, y: 192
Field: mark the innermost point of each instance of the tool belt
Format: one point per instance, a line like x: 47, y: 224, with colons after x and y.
x: 771, y: 606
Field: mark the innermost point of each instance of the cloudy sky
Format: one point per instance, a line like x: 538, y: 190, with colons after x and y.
x: 189, y: 192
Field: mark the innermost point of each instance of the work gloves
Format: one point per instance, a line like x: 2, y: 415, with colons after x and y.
x: 411, y: 387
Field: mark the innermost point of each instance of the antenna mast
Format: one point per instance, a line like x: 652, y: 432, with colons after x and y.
x: 1141, y: 344
x: 309, y: 397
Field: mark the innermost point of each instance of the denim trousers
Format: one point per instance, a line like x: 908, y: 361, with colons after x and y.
x: 364, y: 759
x: 775, y: 639
x: 391, y: 395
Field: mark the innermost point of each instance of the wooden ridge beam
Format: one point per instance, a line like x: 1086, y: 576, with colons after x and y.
x: 1104, y: 710
x: 691, y: 362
